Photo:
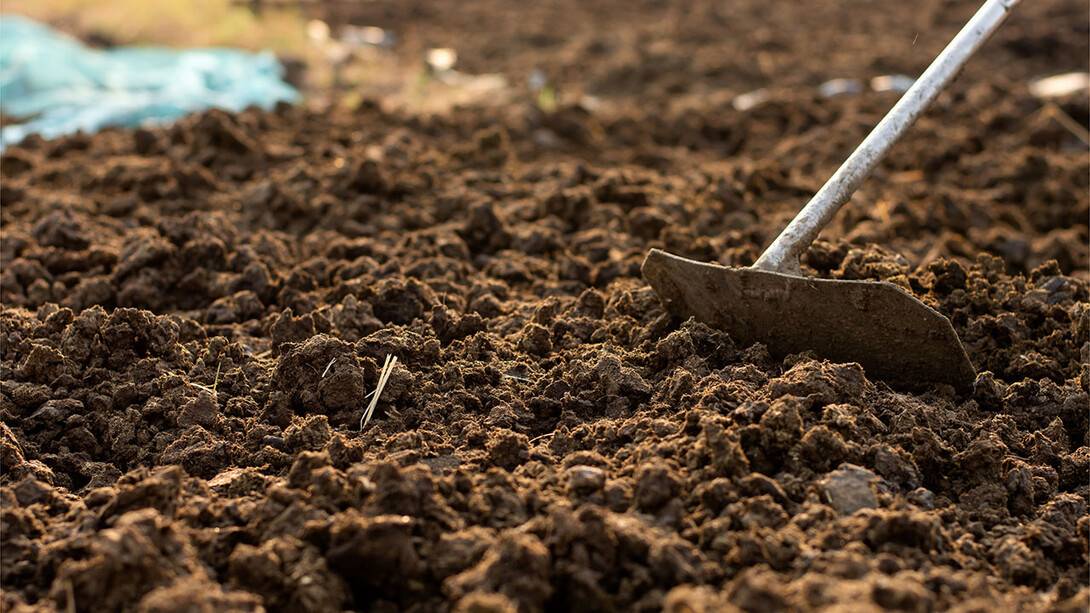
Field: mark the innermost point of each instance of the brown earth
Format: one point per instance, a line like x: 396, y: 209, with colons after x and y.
x: 193, y: 317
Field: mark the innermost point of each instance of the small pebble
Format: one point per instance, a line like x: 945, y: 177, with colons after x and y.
x: 849, y: 489
x: 586, y: 478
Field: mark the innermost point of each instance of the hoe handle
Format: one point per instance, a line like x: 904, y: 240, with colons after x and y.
x: 783, y: 254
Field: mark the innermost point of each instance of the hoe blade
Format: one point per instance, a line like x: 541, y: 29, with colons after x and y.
x: 894, y: 336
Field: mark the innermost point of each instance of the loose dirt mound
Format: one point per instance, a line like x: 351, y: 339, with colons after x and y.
x: 193, y: 318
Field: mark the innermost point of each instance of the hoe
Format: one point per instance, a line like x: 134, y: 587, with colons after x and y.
x: 894, y: 336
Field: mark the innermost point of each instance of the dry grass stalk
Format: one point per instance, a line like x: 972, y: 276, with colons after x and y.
x: 383, y: 376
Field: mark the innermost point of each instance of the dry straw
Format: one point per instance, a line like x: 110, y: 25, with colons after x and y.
x: 383, y: 376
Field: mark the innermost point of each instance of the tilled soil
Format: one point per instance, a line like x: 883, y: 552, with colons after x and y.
x: 194, y: 316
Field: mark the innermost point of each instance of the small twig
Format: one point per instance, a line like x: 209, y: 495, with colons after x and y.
x: 1065, y: 120
x: 216, y: 380
x: 328, y: 366
x: 546, y: 435
x: 384, y: 375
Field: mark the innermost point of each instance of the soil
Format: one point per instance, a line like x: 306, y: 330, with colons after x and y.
x: 194, y: 316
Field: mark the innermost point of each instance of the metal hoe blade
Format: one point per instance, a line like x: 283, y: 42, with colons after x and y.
x: 894, y: 336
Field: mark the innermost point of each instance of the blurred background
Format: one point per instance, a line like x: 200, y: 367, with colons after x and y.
x: 428, y: 53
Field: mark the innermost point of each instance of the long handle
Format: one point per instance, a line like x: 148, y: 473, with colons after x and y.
x: 783, y: 254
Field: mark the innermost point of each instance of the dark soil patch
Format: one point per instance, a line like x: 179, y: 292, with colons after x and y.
x: 193, y: 318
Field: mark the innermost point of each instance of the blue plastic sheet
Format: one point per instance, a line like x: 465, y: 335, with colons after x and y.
x: 67, y: 87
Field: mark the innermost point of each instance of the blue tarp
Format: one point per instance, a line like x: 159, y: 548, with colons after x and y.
x: 67, y: 87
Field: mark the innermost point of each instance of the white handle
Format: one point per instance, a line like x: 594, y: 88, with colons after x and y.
x: 783, y: 254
